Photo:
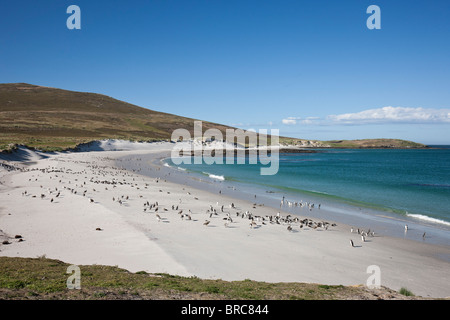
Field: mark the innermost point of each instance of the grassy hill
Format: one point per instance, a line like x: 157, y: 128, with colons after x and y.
x: 55, y: 119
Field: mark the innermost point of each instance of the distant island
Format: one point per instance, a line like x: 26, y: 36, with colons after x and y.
x: 356, y: 144
x: 51, y: 119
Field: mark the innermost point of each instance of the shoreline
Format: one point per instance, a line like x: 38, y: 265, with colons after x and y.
x: 136, y: 240
x: 201, y: 184
x: 385, y: 223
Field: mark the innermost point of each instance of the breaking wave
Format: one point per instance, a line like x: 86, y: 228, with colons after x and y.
x: 427, y: 218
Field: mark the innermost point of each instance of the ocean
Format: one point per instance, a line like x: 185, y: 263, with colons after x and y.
x: 402, y: 182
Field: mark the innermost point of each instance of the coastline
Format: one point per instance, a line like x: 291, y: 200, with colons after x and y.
x: 350, y: 214
x: 65, y: 229
x: 393, y: 236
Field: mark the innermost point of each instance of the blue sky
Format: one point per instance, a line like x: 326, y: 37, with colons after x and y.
x: 311, y: 69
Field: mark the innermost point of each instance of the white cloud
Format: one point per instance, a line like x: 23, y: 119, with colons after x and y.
x: 299, y: 120
x: 290, y: 120
x: 394, y: 114
x: 377, y: 116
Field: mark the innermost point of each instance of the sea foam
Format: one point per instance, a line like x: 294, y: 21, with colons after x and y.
x: 427, y: 218
x: 214, y: 176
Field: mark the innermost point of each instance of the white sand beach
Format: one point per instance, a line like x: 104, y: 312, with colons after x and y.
x: 84, y: 208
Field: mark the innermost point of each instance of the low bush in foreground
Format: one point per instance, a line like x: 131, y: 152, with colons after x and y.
x: 406, y: 292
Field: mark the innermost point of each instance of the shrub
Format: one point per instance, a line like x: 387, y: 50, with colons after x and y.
x: 405, y: 292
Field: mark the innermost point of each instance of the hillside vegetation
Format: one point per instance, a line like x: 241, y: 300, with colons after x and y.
x: 52, y: 119
x: 42, y: 278
x: 55, y: 119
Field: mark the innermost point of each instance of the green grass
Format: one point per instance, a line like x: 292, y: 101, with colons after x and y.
x: 42, y: 278
x: 405, y: 292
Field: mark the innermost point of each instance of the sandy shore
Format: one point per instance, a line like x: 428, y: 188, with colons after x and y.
x: 85, y: 208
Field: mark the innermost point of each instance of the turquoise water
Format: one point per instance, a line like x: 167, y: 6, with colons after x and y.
x: 404, y: 182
